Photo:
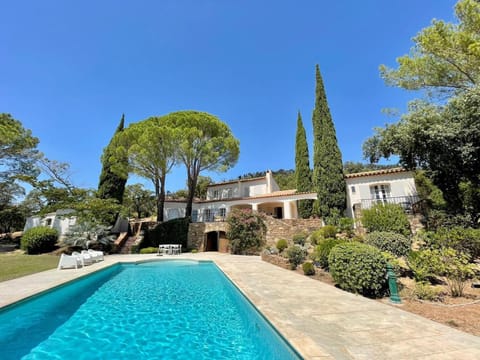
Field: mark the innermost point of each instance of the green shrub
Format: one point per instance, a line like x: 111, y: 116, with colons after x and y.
x: 425, y: 291
x: 329, y: 231
x: 345, y: 225
x: 396, y: 265
x: 397, y: 244
x: 38, y: 240
x: 169, y: 232
x: 358, y: 268
x: 445, y: 262
x: 322, y: 250
x: 300, y: 239
x: 282, y: 244
x: 308, y: 268
x: 247, y: 231
x: 386, y: 217
x: 295, y: 255
x: 149, y: 250
x: 460, y: 239
x: 325, y: 232
x: 316, y: 237
x: 194, y: 251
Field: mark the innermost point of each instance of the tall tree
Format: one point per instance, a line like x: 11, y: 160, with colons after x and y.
x: 151, y: 148
x: 207, y: 144
x: 18, y: 151
x: 303, y: 175
x: 112, y: 184
x: 328, y: 177
x: 139, y: 201
x: 440, y: 136
x: 445, y: 58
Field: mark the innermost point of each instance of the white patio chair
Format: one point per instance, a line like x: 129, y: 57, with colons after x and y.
x: 176, y: 249
x: 164, y: 249
x: 69, y: 261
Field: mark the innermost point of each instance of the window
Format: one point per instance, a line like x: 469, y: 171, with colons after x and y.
x: 48, y: 222
x: 228, y: 193
x: 380, y: 192
x: 194, y: 215
x: 207, y: 214
x: 223, y: 212
x: 215, y: 194
x: 352, y: 188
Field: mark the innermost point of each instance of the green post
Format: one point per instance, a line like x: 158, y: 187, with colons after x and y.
x: 392, y: 285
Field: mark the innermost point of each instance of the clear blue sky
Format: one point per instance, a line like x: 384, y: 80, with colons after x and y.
x: 68, y: 70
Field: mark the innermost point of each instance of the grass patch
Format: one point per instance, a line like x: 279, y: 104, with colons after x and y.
x: 16, y: 265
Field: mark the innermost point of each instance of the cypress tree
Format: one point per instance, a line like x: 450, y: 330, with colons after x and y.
x: 111, y: 185
x: 303, y: 176
x: 328, y: 177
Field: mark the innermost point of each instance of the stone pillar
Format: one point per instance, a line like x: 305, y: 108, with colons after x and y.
x: 287, y: 209
x: 254, y: 207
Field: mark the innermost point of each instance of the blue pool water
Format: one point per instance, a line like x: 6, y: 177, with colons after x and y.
x: 157, y: 310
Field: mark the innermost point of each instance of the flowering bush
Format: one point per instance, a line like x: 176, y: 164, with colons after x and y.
x: 247, y: 231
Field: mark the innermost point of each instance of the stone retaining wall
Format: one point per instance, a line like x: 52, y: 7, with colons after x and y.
x: 286, y: 228
x: 276, y: 260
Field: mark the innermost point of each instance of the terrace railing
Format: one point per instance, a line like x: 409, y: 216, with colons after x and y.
x: 406, y: 202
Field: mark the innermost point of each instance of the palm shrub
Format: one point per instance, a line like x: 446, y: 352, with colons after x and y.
x: 358, y: 268
x: 386, y: 217
x: 247, y: 231
x: 295, y: 255
x: 87, y: 235
x: 322, y: 251
x: 39, y: 239
x: 395, y: 243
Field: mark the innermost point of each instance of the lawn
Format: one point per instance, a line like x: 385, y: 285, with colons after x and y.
x: 15, y: 265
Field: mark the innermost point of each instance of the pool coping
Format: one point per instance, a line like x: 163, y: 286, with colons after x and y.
x: 318, y: 320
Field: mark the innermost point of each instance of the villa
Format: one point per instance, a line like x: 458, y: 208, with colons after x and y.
x: 263, y: 194
x: 208, y: 229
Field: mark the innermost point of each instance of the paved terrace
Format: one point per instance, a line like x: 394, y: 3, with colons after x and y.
x: 320, y: 321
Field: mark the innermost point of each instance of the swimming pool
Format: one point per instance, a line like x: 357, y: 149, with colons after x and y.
x: 176, y: 309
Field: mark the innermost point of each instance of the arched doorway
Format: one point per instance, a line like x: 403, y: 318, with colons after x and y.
x: 211, y: 241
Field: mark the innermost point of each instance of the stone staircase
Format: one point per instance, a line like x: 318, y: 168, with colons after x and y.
x: 127, y: 246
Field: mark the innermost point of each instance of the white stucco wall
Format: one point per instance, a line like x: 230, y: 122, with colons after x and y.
x: 400, y: 184
x: 58, y: 220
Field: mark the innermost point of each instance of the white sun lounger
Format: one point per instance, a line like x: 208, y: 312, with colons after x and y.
x: 69, y: 261
x: 96, y: 255
x: 84, y: 257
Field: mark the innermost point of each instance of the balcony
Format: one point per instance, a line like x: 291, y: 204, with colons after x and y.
x: 408, y: 203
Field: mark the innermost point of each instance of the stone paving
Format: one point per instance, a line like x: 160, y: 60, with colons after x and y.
x: 319, y: 320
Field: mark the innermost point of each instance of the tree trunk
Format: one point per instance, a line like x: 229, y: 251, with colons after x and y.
x: 161, y: 198
x: 157, y: 195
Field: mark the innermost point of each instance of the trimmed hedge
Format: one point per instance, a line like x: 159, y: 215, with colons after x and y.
x: 308, y: 268
x: 169, y: 232
x: 39, y: 240
x: 397, y: 244
x: 359, y: 268
x: 282, y: 244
